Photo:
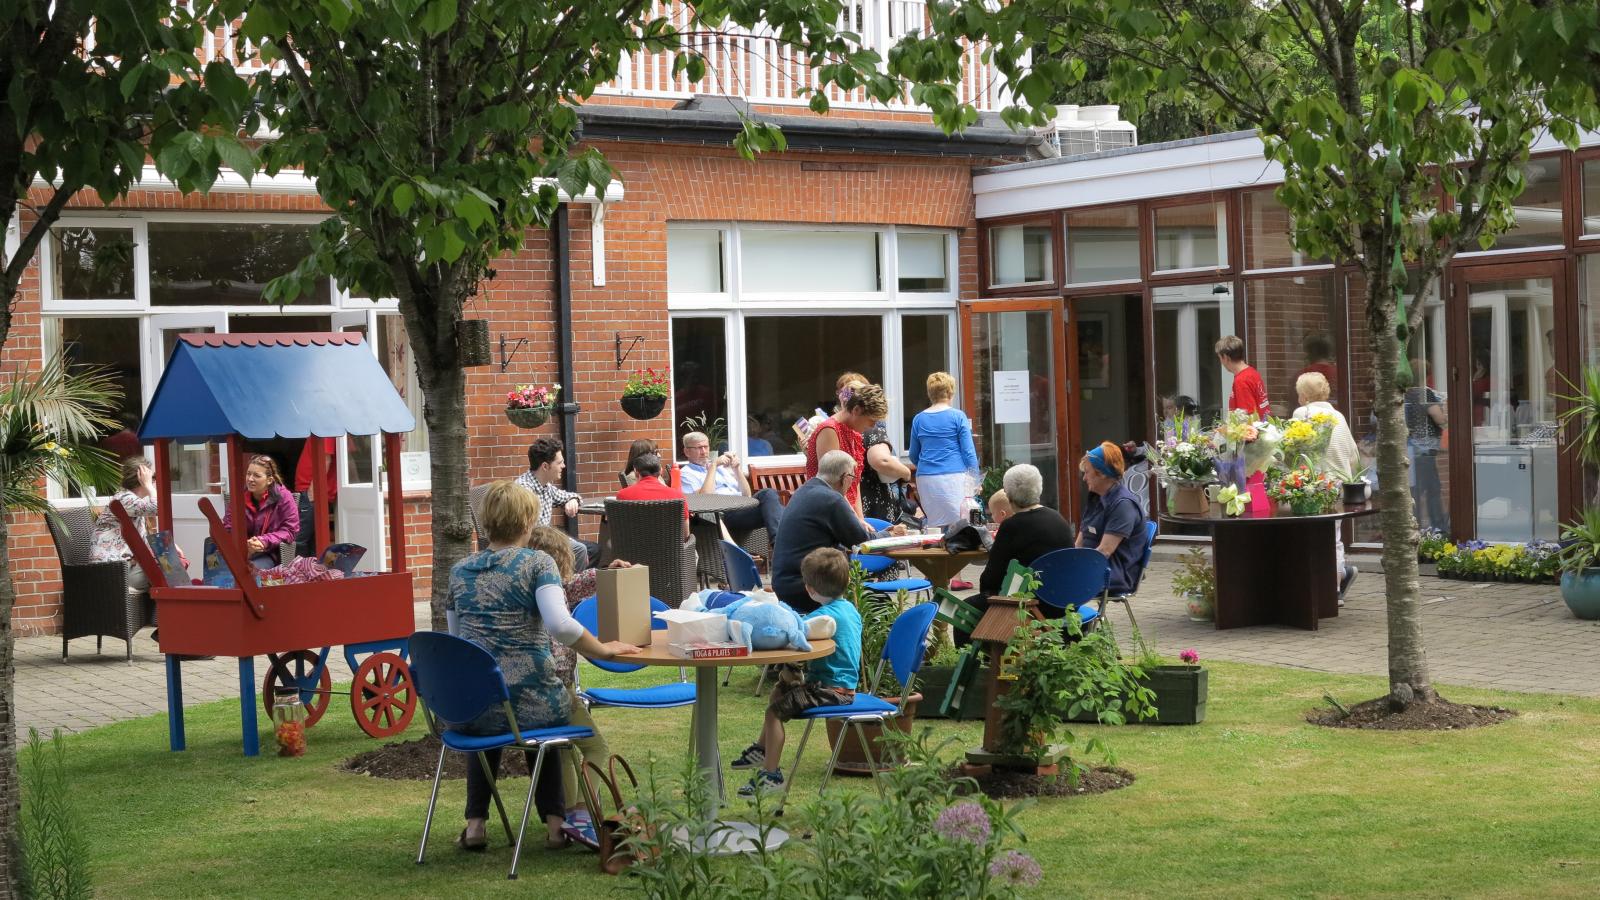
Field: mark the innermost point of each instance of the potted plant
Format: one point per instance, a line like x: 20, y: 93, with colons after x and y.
x: 1186, y: 466
x: 1580, y: 565
x: 1054, y: 681
x: 1354, y: 483
x: 529, y: 405
x: 1180, y: 691
x: 1196, y: 583
x: 1306, y: 493
x: 645, y: 394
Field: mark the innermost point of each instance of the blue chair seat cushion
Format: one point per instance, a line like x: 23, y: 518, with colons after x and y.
x: 674, y: 693
x: 1088, y: 613
x: 472, y: 743
x: 873, y: 565
x: 900, y: 584
x: 863, y: 705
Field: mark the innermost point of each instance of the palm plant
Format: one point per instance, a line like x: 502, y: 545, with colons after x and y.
x: 1580, y: 424
x: 49, y: 423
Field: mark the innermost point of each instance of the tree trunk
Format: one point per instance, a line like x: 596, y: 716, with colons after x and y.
x: 445, y: 411
x: 10, y: 810
x: 1408, y: 659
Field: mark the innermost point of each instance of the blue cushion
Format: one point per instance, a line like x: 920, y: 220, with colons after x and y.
x: 673, y: 693
x: 863, y: 705
x: 901, y: 584
x: 873, y: 565
x: 1088, y: 614
x: 472, y: 743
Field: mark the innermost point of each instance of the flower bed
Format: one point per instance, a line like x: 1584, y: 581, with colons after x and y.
x: 1534, y: 562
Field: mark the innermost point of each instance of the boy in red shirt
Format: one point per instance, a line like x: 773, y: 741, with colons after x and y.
x: 1249, y: 391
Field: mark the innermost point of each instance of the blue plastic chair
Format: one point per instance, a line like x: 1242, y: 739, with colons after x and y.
x: 1151, y: 528
x: 871, y: 563
x: 659, y: 696
x: 740, y: 568
x: 1072, y: 577
x: 877, y: 565
x: 458, y: 681
x: 903, y: 652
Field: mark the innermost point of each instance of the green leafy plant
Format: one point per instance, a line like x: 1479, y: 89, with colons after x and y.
x: 715, y: 430
x: 993, y: 480
x: 929, y: 836
x: 648, y: 383
x: 1581, y: 542
x: 1580, y: 424
x: 1432, y: 544
x: 49, y: 423
x: 55, y: 855
x: 1056, y: 679
x: 1195, y: 575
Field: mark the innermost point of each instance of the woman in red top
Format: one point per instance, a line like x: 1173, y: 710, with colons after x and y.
x: 858, y: 411
x: 1249, y: 391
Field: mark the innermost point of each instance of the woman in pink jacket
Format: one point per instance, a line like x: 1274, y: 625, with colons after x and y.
x: 270, y: 514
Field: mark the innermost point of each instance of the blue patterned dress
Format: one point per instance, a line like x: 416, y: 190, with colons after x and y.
x: 492, y: 593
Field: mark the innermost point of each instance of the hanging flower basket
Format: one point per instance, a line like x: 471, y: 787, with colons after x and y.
x: 643, y: 408
x: 528, y: 416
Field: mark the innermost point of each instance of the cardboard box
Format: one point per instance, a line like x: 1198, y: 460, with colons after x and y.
x: 623, y: 600
x: 686, y: 626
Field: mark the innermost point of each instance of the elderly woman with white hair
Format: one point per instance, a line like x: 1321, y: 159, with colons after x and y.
x: 1029, y: 532
x: 1342, y: 454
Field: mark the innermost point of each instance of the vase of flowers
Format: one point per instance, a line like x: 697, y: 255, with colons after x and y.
x: 529, y: 405
x: 645, y: 394
x: 1306, y: 493
x: 1187, y: 467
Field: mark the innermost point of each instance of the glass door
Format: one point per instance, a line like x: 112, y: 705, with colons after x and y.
x: 1018, y: 356
x: 358, y: 515
x: 1186, y: 323
x: 196, y: 470
x: 1107, y: 363
x: 1504, y: 370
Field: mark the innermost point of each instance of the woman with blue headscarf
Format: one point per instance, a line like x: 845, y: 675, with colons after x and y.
x: 1112, y: 520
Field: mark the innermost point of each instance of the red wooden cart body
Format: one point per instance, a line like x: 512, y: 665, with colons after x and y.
x: 210, y: 621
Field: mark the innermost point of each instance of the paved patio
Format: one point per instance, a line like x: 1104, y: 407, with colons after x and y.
x: 1512, y: 637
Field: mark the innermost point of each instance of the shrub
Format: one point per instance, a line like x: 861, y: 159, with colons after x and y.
x: 54, y: 854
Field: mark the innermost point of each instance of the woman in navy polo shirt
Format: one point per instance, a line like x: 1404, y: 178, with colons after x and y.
x: 1112, y: 520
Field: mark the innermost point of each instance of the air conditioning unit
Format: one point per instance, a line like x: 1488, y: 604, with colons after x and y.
x: 1090, y: 129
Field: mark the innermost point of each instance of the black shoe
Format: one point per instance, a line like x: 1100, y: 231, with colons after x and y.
x: 753, y: 757
x: 1348, y: 579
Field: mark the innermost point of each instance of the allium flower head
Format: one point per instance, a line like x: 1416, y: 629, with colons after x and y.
x: 964, y: 822
x: 1015, y: 868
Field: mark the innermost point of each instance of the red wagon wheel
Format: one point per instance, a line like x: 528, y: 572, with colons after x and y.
x: 382, y: 696
x: 293, y: 669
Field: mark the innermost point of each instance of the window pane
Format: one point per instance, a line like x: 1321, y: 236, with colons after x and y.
x: 204, y: 263
x: 1295, y: 328
x: 1191, y: 236
x: 1103, y: 245
x: 795, y: 361
x: 694, y: 260
x: 273, y: 323
x: 1268, y: 237
x: 1013, y: 355
x: 1591, y: 196
x: 1589, y: 325
x: 922, y: 261
x: 700, y: 387
x: 394, y: 354
x: 1538, y: 209
x: 111, y: 345
x: 92, y: 263
x: 818, y: 261
x: 924, y: 349
x: 1019, y: 254
x: 1189, y: 320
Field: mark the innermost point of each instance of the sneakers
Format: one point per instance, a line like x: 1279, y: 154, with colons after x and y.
x: 753, y: 757
x: 580, y: 829
x: 763, y: 781
x: 1345, y: 581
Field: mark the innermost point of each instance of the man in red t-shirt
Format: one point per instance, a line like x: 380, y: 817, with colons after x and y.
x: 303, y: 472
x: 649, y: 486
x: 1249, y: 391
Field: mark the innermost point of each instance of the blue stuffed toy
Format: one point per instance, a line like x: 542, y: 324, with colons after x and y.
x: 765, y: 624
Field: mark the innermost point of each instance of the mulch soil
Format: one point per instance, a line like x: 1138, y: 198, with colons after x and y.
x: 414, y: 761
x: 1001, y: 784
x: 1439, y: 715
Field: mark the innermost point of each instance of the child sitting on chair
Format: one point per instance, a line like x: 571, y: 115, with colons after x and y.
x: 829, y: 681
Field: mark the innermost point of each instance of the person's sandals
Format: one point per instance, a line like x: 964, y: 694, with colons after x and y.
x: 477, y: 846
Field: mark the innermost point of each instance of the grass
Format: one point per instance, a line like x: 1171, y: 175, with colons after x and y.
x: 1253, y: 803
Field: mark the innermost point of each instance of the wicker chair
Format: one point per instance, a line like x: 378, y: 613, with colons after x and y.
x: 474, y: 502
x: 646, y: 532
x: 94, y: 595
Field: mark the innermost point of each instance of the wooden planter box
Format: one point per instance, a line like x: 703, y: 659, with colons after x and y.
x: 1180, y: 696
x: 933, y: 681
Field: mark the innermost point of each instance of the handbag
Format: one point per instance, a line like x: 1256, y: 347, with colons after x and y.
x: 615, y: 828
x: 963, y: 536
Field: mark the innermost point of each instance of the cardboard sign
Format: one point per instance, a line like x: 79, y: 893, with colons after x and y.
x: 623, y: 600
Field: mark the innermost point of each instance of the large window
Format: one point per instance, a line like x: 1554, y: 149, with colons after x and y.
x: 1191, y: 236
x: 1269, y: 235
x: 1019, y: 254
x: 775, y: 260
x: 1103, y: 245
x: 224, y: 264
x: 924, y: 349
x: 1591, y: 196
x: 1538, y: 209
x: 694, y: 260
x: 1295, y: 327
x: 922, y: 261
x: 111, y: 347
x: 1189, y: 320
x: 700, y: 389
x: 92, y: 263
x: 800, y: 358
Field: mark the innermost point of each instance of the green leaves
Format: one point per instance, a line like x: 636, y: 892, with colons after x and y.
x: 438, y: 16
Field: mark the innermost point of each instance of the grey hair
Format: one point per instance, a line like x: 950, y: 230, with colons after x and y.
x: 834, y: 465
x: 1023, y: 484
x: 695, y: 437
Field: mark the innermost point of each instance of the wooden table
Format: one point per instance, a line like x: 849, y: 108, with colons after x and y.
x: 1275, y: 568
x: 733, y: 837
x: 936, y: 564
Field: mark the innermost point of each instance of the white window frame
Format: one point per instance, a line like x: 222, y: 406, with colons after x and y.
x: 141, y: 268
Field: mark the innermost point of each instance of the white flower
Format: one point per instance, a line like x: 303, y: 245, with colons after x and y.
x: 1185, y: 447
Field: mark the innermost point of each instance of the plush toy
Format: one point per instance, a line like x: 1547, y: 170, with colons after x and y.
x: 761, y: 621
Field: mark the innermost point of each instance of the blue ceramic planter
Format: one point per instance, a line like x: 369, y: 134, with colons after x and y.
x: 1581, y: 590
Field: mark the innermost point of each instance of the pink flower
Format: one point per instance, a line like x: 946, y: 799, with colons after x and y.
x: 1189, y: 656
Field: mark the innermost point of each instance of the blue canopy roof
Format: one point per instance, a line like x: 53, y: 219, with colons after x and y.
x: 263, y: 386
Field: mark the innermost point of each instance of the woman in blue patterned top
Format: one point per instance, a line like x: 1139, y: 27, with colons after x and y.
x: 509, y: 600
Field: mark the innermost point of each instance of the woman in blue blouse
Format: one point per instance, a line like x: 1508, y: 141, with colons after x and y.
x: 942, y: 454
x: 509, y: 600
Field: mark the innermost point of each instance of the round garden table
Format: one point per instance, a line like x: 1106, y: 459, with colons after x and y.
x: 731, y: 837
x: 1274, y: 568
x: 936, y: 564
x: 717, y: 504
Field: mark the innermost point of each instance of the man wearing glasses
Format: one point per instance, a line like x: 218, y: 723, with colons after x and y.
x: 704, y: 475
x: 818, y: 515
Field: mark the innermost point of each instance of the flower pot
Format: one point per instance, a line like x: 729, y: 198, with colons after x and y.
x: 1200, y: 609
x: 1180, y: 694
x: 934, y: 681
x: 528, y: 416
x: 1581, y: 590
x: 851, y: 760
x: 1355, y: 492
x: 643, y: 408
x: 1187, y: 498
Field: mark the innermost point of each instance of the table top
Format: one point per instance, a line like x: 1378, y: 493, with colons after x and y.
x: 717, y: 503
x: 1271, y: 514
x: 937, y: 551
x: 657, y: 654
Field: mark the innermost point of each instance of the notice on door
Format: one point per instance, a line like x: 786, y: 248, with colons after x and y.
x: 1011, y: 401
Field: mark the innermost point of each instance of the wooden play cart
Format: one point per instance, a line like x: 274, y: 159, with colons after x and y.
x: 324, y: 385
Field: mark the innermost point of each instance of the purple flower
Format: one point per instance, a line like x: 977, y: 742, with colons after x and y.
x: 1015, y: 868
x: 964, y: 822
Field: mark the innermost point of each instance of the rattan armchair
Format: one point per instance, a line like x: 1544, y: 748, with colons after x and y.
x: 94, y: 595
x: 650, y: 532
x: 474, y: 503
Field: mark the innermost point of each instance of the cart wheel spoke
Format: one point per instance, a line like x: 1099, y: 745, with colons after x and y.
x: 381, y: 698
x: 293, y: 669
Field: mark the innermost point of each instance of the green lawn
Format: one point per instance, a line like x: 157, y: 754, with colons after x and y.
x: 1253, y: 803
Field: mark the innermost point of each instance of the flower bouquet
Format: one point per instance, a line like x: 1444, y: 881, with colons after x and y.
x: 1187, y: 466
x: 1308, y: 493
x: 1305, y: 441
x: 529, y: 405
x: 1244, y: 446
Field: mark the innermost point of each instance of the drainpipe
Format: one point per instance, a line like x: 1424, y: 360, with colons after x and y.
x: 567, y: 409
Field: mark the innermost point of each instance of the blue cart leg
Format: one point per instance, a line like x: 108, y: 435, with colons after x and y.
x: 175, y: 739
x: 247, y: 705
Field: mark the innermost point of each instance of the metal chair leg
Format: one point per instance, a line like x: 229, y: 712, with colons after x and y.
x: 866, y: 749
x: 795, y: 768
x: 833, y: 760
x: 433, y: 799
x: 527, y: 808
x: 494, y: 791
x: 1127, y: 606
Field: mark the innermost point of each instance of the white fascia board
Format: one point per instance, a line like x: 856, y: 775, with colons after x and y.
x: 296, y: 183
